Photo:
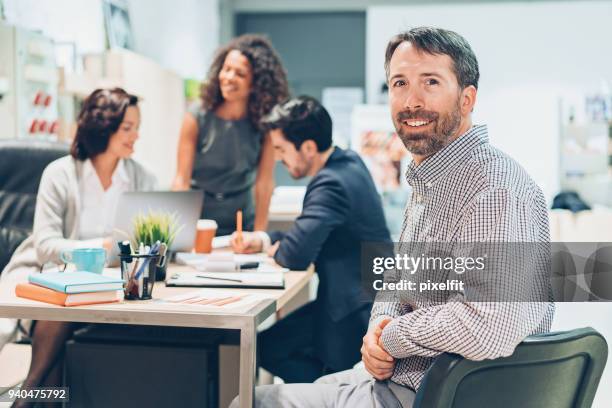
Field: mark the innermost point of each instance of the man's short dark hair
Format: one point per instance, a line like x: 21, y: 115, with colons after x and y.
x: 99, y: 119
x: 300, y: 119
x: 439, y: 41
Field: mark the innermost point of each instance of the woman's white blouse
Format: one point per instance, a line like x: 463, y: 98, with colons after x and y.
x: 98, y: 207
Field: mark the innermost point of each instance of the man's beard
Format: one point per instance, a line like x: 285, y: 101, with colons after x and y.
x: 301, y: 169
x: 429, y: 142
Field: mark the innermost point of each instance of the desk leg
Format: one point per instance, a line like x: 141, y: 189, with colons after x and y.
x: 248, y: 349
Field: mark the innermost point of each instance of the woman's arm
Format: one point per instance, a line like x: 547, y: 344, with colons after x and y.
x: 186, y: 152
x: 49, y: 217
x: 264, y: 184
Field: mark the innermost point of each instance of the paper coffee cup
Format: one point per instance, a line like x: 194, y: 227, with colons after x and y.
x: 206, y: 230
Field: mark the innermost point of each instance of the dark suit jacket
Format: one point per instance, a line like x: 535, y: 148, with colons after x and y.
x: 341, y: 210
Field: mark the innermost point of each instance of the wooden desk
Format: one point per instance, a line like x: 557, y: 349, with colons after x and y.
x: 163, y: 314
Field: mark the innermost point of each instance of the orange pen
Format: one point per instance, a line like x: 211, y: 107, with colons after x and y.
x: 239, y: 227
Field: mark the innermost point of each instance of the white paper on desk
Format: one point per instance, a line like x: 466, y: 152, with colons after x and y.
x: 217, y: 267
x: 239, y: 279
x: 188, y: 258
x: 222, y: 241
x: 246, y: 299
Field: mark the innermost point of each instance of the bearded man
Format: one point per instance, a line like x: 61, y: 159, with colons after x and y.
x: 463, y: 191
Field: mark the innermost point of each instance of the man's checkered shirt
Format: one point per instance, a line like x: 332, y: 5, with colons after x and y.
x: 467, y: 192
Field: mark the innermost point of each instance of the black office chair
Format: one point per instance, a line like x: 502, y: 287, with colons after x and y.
x: 21, y: 165
x: 560, y: 370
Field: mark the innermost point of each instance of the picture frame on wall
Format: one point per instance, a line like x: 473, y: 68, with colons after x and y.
x: 119, y: 32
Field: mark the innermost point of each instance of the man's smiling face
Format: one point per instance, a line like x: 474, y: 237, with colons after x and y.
x: 428, y: 107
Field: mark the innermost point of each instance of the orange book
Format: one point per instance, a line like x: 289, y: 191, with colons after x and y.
x: 42, y: 294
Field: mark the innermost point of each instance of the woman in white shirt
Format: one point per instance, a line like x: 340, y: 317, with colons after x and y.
x: 75, y: 207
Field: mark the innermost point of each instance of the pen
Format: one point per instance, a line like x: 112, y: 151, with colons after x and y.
x: 248, y: 265
x: 125, y: 249
x: 222, y: 279
x: 162, y: 250
x: 239, y: 227
x: 152, y: 251
x: 130, y: 281
x: 126, y: 260
x: 140, y: 282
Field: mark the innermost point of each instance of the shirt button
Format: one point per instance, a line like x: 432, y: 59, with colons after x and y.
x: 428, y: 184
x: 419, y: 198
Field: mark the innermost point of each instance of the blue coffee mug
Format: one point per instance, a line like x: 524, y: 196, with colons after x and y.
x: 86, y: 259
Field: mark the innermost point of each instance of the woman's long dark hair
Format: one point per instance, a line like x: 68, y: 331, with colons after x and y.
x: 99, y: 119
x: 269, y: 85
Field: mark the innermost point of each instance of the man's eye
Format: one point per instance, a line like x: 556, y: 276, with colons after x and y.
x: 399, y: 82
x: 431, y: 81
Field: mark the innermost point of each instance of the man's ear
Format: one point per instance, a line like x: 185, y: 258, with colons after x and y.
x: 309, y: 148
x: 468, y: 99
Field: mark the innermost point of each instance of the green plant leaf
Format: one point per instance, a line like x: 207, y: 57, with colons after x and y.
x: 155, y: 226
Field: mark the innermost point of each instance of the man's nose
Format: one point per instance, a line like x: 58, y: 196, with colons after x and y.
x: 413, y: 100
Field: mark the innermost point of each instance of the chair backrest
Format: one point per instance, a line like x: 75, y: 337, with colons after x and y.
x: 560, y: 370
x: 21, y: 165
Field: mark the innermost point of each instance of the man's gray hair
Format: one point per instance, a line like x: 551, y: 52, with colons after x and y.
x: 439, y: 41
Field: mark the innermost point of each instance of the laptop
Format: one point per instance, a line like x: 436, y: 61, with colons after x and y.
x: 187, y: 205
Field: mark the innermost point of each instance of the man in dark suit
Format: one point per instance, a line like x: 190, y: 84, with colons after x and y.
x: 341, y: 210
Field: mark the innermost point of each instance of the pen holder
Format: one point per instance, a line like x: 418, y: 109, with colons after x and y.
x: 138, y: 273
x: 163, y: 265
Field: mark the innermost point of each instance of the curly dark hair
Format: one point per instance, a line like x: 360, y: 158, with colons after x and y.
x: 269, y: 85
x: 99, y: 119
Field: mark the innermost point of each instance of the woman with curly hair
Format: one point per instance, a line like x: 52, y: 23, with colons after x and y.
x: 223, y: 149
x: 75, y: 208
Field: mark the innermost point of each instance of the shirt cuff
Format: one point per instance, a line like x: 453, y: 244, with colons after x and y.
x: 390, y: 339
x: 266, y: 242
x: 376, y: 321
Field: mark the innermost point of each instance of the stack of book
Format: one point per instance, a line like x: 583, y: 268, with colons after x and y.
x: 71, y: 288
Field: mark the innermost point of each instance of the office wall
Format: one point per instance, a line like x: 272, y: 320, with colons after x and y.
x: 77, y: 21
x: 530, y: 55
x: 179, y: 35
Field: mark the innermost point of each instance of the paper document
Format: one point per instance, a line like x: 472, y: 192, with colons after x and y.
x: 226, y: 262
x: 185, y: 258
x: 273, y: 280
x: 216, y: 299
x: 222, y: 241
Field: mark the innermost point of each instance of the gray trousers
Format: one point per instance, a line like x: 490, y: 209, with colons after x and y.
x: 353, y: 388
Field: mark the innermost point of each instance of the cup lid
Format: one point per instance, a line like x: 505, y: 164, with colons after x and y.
x: 207, y: 224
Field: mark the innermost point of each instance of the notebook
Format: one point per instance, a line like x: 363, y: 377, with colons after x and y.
x: 269, y: 280
x: 42, y: 294
x: 75, y: 282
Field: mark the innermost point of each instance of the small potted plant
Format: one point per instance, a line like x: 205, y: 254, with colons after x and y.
x: 153, y: 227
